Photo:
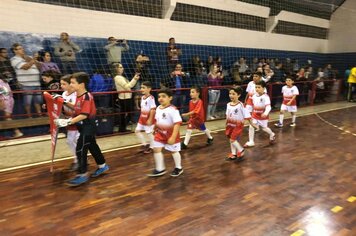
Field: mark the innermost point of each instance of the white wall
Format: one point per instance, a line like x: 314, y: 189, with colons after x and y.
x: 18, y: 16
x: 342, y: 36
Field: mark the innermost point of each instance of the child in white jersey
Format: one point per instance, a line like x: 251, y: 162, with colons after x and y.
x: 70, y: 96
x: 289, y: 104
x: 261, y: 105
x: 167, y: 123
x: 145, y: 122
x: 236, y: 114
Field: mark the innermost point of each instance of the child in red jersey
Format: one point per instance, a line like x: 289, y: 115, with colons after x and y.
x: 261, y: 105
x: 84, y: 118
x: 145, y: 122
x: 236, y: 114
x: 167, y: 123
x: 196, y: 117
x: 289, y: 104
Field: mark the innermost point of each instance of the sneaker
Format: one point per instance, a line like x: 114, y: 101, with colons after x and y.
x: 156, y: 173
x: 292, y: 124
x: 100, y: 171
x: 148, y: 150
x: 176, y: 172
x: 272, y: 140
x: 209, y: 141
x: 257, y: 129
x: 212, y: 118
x: 78, y: 180
x: 17, y: 135
x: 74, y: 166
x: 249, y: 144
x: 241, y: 154
x: 230, y: 157
x: 183, y: 146
x: 279, y: 125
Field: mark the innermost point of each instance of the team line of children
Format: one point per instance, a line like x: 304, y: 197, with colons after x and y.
x: 158, y: 127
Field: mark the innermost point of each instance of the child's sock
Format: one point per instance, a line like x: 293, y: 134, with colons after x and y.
x: 159, y: 162
x: 177, y: 160
x: 188, y: 134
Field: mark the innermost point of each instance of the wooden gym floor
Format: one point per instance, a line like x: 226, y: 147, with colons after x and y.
x: 302, y: 185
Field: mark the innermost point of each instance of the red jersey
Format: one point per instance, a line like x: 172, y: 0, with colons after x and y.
x: 198, y: 109
x: 147, y: 104
x: 85, y: 105
x: 165, y: 119
x: 288, y: 93
x: 260, y: 102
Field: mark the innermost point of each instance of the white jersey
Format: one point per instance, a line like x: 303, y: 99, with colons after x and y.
x: 147, y: 104
x: 288, y: 93
x: 165, y: 119
x: 236, y: 114
x: 251, y: 88
x: 69, y: 98
x: 260, y: 103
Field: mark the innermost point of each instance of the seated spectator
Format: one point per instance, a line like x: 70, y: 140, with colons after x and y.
x: 7, y: 103
x: 28, y: 76
x: 7, y: 72
x: 101, y: 82
x: 47, y: 64
x: 51, y: 80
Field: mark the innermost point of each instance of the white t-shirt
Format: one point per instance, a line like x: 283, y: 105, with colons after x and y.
x: 260, y: 102
x: 165, y: 119
x: 30, y: 77
x: 69, y: 98
x: 236, y: 114
x: 288, y: 93
x: 147, y: 104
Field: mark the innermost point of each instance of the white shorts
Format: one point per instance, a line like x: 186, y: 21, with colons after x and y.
x: 172, y: 148
x: 249, y: 108
x: 289, y: 108
x: 262, y: 123
x: 147, y: 128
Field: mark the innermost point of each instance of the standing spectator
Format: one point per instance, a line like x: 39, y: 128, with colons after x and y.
x: 178, y: 81
x: 210, y: 62
x: 173, y: 53
x: 47, y: 64
x: 352, y: 84
x: 254, y: 64
x: 66, y: 50
x: 125, y: 99
x: 114, y: 50
x: 7, y: 103
x: 198, y: 71
x: 215, y: 78
x: 28, y: 76
x: 7, y: 72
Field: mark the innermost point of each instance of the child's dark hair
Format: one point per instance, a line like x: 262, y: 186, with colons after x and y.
x: 51, y: 73
x: 166, y: 91
x: 259, y: 74
x: 81, y: 78
x: 196, y: 88
x: 261, y: 83
x: 66, y: 78
x: 148, y: 84
x: 290, y: 77
x: 237, y: 89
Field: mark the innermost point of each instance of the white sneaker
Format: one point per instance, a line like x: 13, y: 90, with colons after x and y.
x: 249, y: 144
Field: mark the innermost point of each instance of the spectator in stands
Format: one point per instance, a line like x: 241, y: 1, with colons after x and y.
x: 114, y: 49
x: 218, y: 62
x: 178, y: 80
x: 173, y: 53
x: 51, y: 80
x: 198, y: 71
x: 277, y: 78
x: 28, y: 76
x: 47, y: 64
x: 215, y: 78
x: 351, y: 84
x: 125, y: 99
x: 7, y: 72
x: 320, y: 86
x: 235, y: 74
x: 288, y: 67
x: 296, y: 66
x: 268, y: 73
x: 66, y: 50
x: 254, y: 64
x: 242, y: 65
x: 7, y: 102
x: 329, y: 73
x: 210, y: 62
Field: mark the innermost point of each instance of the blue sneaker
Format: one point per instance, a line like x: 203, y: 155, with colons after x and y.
x: 100, y: 171
x: 78, y: 180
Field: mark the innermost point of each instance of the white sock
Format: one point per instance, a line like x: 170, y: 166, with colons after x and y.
x: 233, y: 149
x: 268, y: 131
x: 177, y: 160
x: 251, y: 134
x: 151, y: 138
x: 281, y: 117
x: 207, y: 132
x: 294, y: 117
x: 102, y: 165
x: 188, y: 134
x: 237, y: 146
x: 159, y: 161
x: 141, y: 138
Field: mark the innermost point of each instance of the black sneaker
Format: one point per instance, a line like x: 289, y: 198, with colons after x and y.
x: 209, y: 141
x: 183, y: 146
x: 156, y: 173
x: 176, y: 172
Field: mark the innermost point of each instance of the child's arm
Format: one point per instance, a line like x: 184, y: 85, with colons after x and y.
x: 188, y: 113
x: 151, y: 116
x: 173, y: 137
x: 291, y: 100
x: 267, y: 110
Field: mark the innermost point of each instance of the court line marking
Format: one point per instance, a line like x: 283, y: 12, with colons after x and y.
x: 335, y: 126
x: 137, y: 145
